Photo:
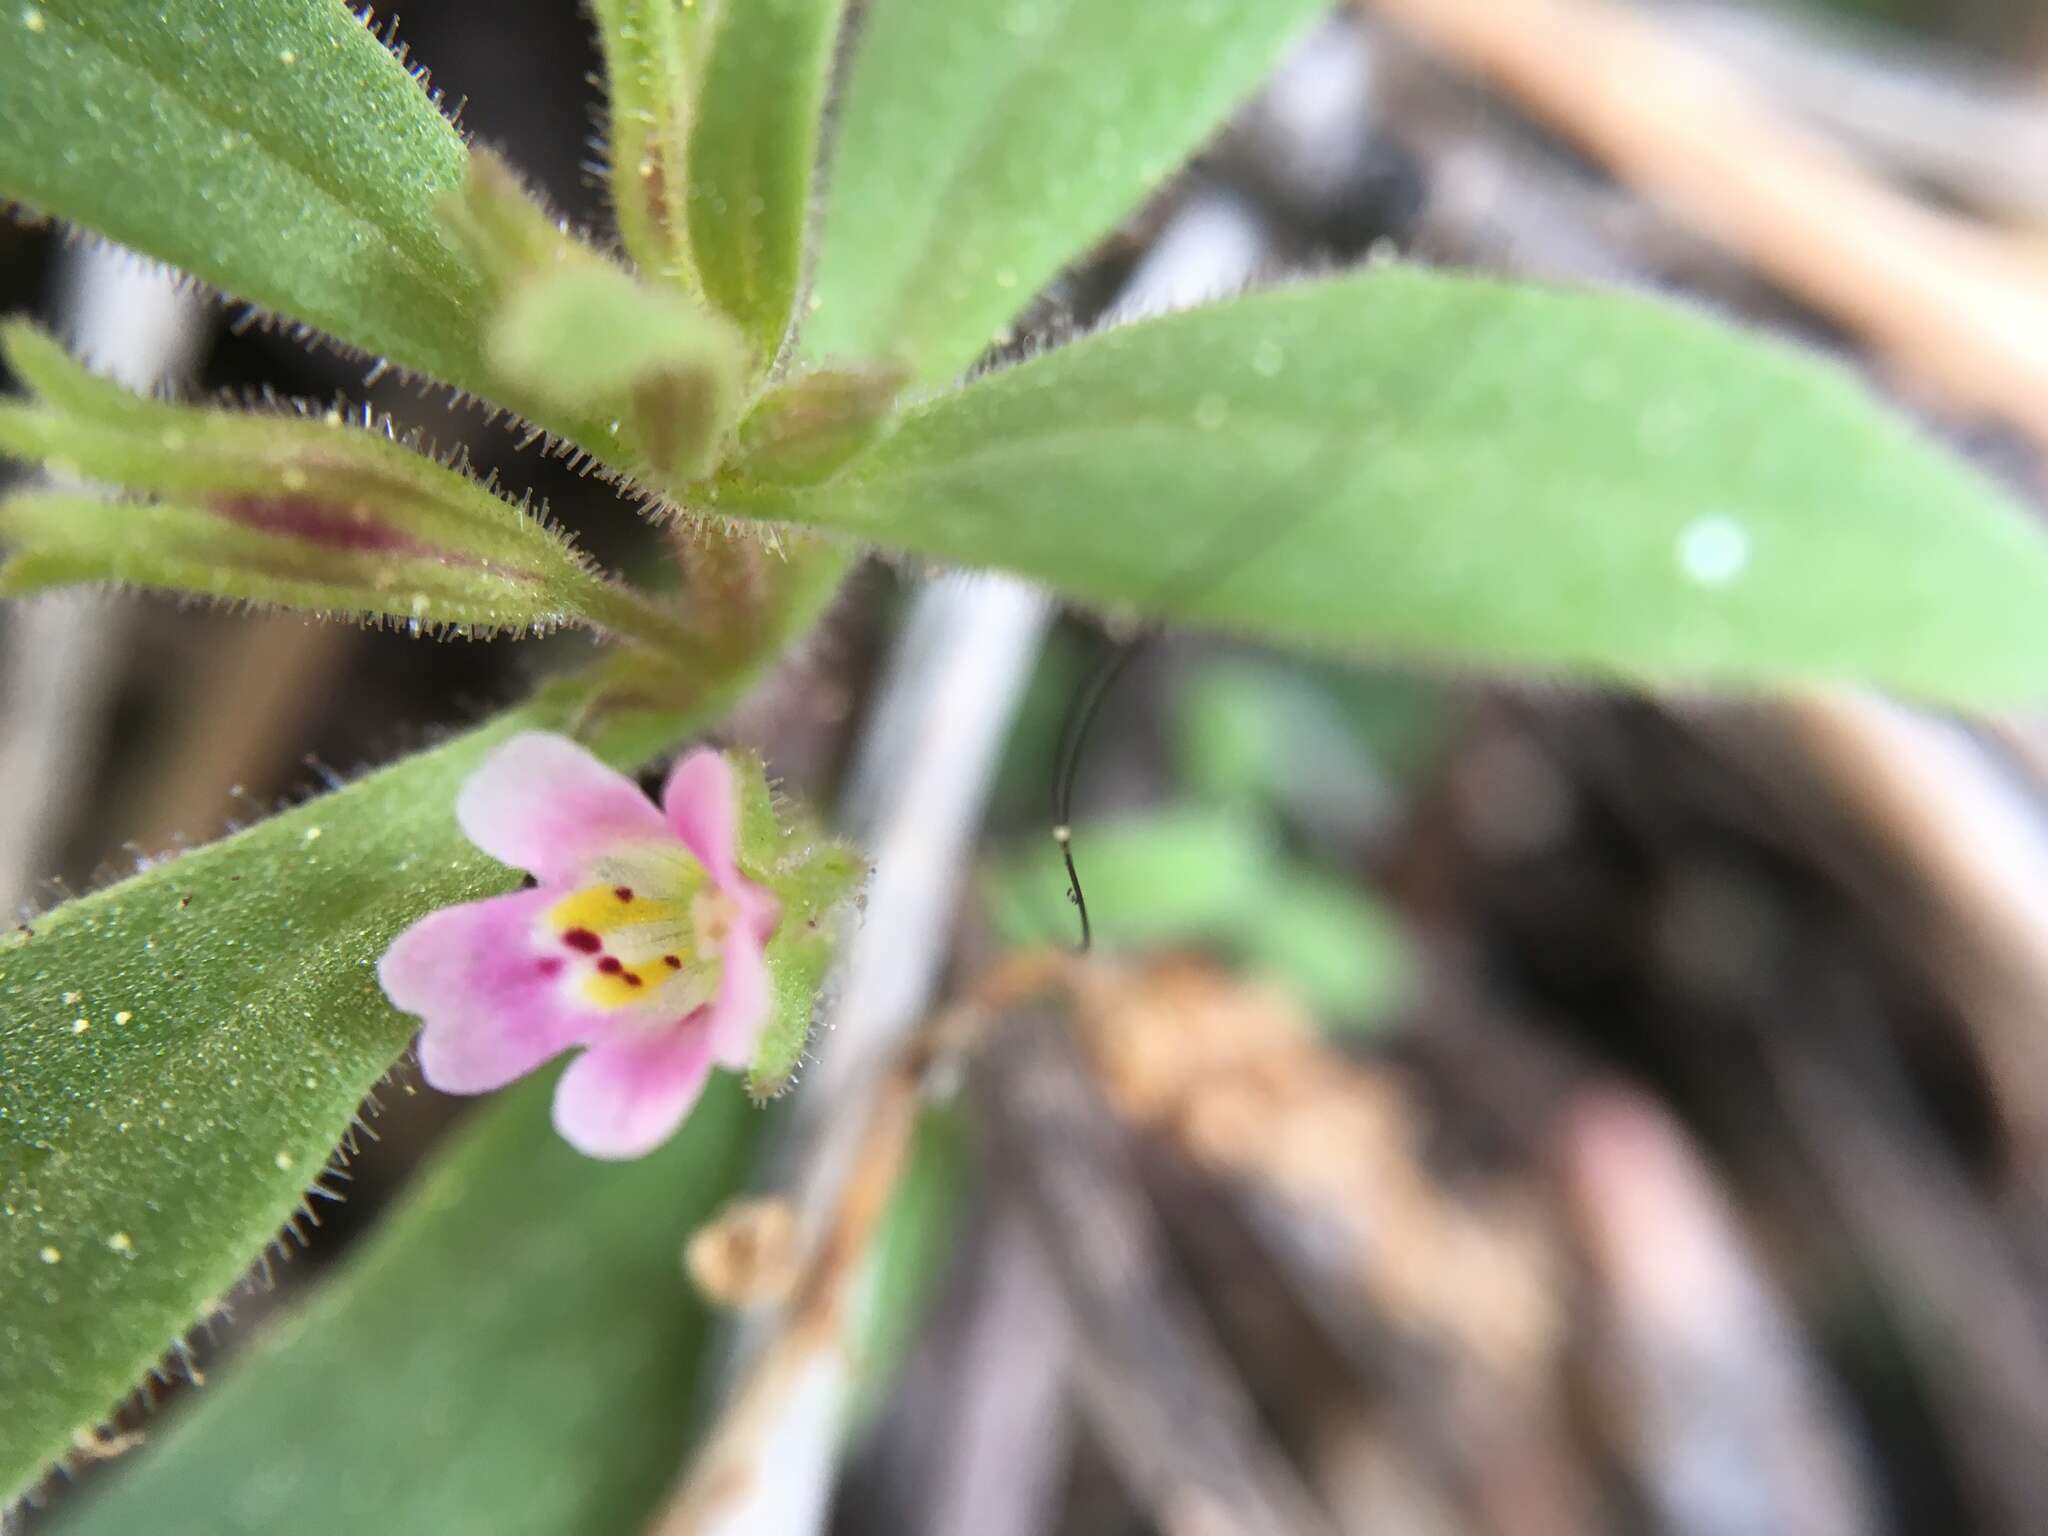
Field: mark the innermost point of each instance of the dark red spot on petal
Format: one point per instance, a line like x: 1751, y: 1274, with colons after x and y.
x: 631, y: 978
x: 583, y: 939
x: 550, y: 966
x: 623, y: 892
x: 610, y: 965
x: 673, y: 962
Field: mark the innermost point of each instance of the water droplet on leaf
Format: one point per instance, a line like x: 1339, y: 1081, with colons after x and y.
x: 1713, y: 550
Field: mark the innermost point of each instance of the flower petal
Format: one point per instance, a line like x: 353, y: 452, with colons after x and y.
x: 492, y: 1005
x: 543, y: 804
x: 738, y: 1013
x: 759, y: 910
x: 626, y: 1096
x: 702, y: 805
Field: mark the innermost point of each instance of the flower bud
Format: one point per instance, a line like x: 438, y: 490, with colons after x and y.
x: 811, y: 428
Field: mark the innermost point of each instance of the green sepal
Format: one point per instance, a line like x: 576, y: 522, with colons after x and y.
x: 509, y: 237
x: 71, y: 540
x: 652, y: 53
x: 813, y: 877
x: 714, y: 120
x: 595, y: 342
x: 303, y: 511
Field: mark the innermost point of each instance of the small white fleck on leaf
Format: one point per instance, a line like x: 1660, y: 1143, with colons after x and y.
x: 1713, y: 550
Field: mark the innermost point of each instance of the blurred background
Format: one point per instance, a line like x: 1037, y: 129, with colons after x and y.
x: 1495, y: 1109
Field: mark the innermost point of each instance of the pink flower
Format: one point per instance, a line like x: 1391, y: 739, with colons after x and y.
x: 642, y: 943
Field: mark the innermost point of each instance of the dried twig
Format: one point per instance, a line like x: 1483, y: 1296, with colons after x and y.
x: 1957, y: 121
x: 1285, y: 1169
x: 1944, y: 848
x: 1720, y: 1410
x: 1947, y: 301
x: 1949, y: 1273
x: 1007, y: 1419
x: 797, y: 1375
x: 1149, y: 1375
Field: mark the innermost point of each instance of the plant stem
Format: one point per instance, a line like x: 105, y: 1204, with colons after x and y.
x: 624, y: 613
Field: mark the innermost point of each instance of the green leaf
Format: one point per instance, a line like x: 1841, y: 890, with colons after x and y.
x: 752, y: 148
x: 1262, y: 732
x: 983, y: 144
x: 592, y: 341
x: 516, y: 1351
x: 182, y: 1052
x: 653, y: 51
x: 1462, y: 471
x: 1192, y: 875
x: 276, y: 149
x: 1337, y: 946
x: 1164, y: 877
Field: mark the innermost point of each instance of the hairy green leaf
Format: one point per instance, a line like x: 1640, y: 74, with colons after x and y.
x: 983, y: 144
x: 516, y: 1351
x: 277, y: 149
x: 180, y: 1053
x: 752, y: 148
x: 1463, y: 471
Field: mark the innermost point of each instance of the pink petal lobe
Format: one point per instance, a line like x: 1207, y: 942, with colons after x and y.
x: 740, y: 1011
x: 702, y: 805
x: 759, y: 910
x: 543, y: 804
x: 491, y: 1004
x: 626, y: 1096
